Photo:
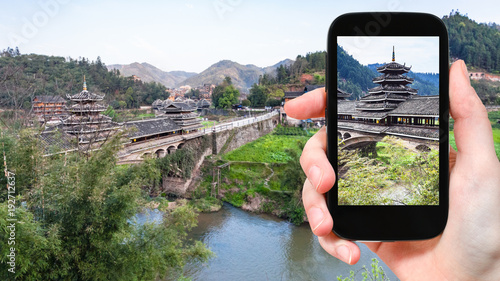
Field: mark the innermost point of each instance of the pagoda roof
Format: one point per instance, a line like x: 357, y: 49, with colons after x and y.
x: 342, y: 94
x: 392, y: 89
x: 87, y: 107
x: 76, y: 119
x: 181, y: 106
x: 383, y: 96
x: 376, y: 106
x: 144, y: 128
x: 85, y: 96
x: 393, y: 67
x: 393, y: 78
x: 91, y: 128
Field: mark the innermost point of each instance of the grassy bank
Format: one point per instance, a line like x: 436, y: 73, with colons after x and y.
x: 263, y: 175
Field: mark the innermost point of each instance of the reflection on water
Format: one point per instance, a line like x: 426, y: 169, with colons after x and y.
x: 261, y: 247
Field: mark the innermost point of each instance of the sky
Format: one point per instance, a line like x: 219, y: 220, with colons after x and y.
x: 191, y: 35
x: 421, y: 53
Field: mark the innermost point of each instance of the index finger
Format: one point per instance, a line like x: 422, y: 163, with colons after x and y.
x: 310, y: 105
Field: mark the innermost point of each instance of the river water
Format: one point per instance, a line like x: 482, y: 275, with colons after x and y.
x: 252, y: 246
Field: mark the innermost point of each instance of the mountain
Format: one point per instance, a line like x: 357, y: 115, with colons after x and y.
x: 148, y: 73
x: 478, y: 44
x: 271, y: 69
x: 242, y: 76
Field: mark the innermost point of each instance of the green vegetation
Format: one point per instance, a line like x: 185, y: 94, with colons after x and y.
x: 375, y: 274
x: 266, y: 170
x: 476, y: 43
x: 30, y: 75
x: 225, y: 95
x: 488, y: 91
x: 75, y: 218
x: 396, y: 170
x: 267, y: 149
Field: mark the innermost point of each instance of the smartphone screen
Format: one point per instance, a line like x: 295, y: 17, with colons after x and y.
x: 387, y: 125
x: 388, y: 120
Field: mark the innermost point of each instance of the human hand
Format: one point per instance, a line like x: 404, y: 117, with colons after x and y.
x: 469, y: 247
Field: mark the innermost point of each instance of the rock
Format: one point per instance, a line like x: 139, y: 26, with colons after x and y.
x: 253, y: 204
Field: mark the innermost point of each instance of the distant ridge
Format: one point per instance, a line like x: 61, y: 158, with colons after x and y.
x: 149, y: 73
x: 242, y: 76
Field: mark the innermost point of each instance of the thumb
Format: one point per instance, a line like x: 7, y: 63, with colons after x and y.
x: 472, y: 127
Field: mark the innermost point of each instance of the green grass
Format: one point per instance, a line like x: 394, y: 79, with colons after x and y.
x: 267, y: 149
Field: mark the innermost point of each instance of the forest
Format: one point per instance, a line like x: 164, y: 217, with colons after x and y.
x: 478, y: 44
x: 23, y: 76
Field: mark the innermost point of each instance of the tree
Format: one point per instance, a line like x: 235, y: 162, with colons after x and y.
x: 193, y: 93
x: 246, y: 102
x: 229, y: 97
x: 258, y: 95
x: 225, y: 95
x: 78, y: 222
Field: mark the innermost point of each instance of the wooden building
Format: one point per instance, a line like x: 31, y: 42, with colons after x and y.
x: 48, y: 108
x: 392, y: 107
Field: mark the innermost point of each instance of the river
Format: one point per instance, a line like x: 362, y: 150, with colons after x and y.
x: 252, y: 246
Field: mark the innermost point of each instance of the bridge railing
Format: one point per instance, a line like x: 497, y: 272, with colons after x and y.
x: 215, y: 129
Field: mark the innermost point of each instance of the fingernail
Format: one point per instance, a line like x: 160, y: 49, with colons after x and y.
x: 316, y: 217
x: 464, y: 70
x: 344, y: 253
x: 315, y: 175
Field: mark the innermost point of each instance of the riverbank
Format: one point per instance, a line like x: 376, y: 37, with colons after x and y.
x: 263, y: 176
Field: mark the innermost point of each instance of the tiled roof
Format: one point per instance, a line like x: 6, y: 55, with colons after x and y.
x: 293, y: 94
x: 427, y: 133
x: 152, y: 127
x: 394, y: 66
x: 346, y: 107
x: 203, y: 104
x: 54, y: 140
x: 309, y: 88
x: 421, y: 105
x: 49, y: 99
x: 342, y: 94
x: 85, y: 95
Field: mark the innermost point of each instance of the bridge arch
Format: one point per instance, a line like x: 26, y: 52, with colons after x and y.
x: 146, y: 155
x: 181, y: 145
x: 160, y: 153
x: 171, y: 149
x: 347, y: 135
x: 339, y: 135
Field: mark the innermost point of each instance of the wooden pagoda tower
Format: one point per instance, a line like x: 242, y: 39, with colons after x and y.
x: 86, y: 121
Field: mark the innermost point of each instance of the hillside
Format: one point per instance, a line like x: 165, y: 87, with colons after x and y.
x: 353, y: 77
x: 478, y: 44
x: 150, y: 73
x: 242, y: 76
x: 31, y: 75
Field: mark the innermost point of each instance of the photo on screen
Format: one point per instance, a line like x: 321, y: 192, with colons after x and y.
x: 388, y: 120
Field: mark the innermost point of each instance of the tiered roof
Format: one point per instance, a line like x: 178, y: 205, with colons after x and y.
x: 392, y: 90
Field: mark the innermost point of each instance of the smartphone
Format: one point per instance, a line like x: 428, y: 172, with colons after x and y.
x: 387, y: 125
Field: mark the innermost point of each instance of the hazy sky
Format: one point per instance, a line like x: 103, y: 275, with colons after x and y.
x: 421, y: 53
x: 191, y: 35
